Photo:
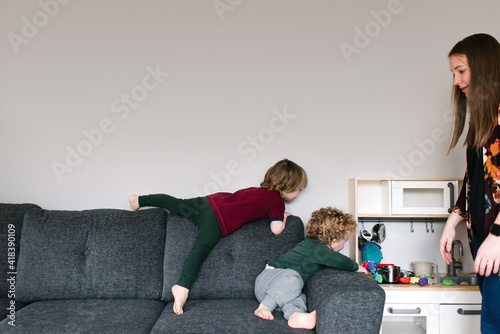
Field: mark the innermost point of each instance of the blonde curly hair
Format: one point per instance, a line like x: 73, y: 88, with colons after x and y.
x: 329, y: 224
x: 285, y: 175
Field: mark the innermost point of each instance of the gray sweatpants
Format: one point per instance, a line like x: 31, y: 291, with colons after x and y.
x: 281, y: 289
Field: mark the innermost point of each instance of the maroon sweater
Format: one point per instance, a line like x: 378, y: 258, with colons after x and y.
x: 246, y: 206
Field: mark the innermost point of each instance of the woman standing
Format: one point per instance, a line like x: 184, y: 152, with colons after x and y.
x: 475, y: 64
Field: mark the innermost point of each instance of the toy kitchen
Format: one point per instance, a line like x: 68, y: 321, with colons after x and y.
x: 400, y: 222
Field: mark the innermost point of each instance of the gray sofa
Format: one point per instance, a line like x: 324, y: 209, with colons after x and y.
x: 110, y: 271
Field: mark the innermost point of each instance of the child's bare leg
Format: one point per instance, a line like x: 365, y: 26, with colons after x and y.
x: 303, y: 320
x: 180, y: 294
x: 264, y: 313
x: 134, y: 202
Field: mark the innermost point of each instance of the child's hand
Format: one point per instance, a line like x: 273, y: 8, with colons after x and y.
x: 361, y: 270
x: 277, y: 226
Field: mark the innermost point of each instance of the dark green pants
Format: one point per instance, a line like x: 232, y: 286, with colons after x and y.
x: 198, y: 211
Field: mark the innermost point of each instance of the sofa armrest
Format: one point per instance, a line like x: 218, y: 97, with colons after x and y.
x: 346, y: 302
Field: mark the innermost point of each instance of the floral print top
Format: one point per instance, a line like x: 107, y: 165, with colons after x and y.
x: 482, y: 176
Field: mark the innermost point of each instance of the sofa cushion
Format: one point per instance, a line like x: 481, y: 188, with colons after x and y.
x: 120, y: 316
x: 101, y: 253
x: 10, y: 214
x: 221, y: 316
x: 348, y: 301
x: 9, y: 306
x: 233, y: 264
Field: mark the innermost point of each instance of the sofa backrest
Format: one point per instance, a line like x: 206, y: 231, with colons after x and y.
x: 233, y: 264
x: 11, y: 222
x: 102, y: 253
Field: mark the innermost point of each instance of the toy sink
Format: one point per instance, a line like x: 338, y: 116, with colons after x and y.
x: 464, y: 280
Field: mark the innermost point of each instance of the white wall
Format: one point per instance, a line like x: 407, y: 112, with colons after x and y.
x: 225, y: 70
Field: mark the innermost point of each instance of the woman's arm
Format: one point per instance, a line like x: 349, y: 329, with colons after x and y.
x: 448, y: 236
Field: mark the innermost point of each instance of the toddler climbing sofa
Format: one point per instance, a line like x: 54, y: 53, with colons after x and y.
x: 110, y: 271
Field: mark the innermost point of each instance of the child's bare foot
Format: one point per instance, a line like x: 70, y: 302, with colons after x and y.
x: 303, y: 320
x: 264, y: 313
x: 180, y: 296
x: 134, y: 202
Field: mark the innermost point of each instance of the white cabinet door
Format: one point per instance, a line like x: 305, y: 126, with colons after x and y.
x: 410, y: 318
x: 460, y: 318
x: 423, y: 197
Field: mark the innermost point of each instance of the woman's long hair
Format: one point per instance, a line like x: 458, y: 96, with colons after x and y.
x: 483, y: 55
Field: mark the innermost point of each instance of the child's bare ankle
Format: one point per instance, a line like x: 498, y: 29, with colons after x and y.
x: 264, y: 312
x: 134, y: 202
x: 303, y: 320
x: 180, y: 294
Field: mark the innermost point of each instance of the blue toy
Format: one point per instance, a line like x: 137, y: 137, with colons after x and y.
x: 371, y: 252
x: 371, y: 268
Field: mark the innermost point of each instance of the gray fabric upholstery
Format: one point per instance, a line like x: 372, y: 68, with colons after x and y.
x: 221, y: 316
x: 10, y: 214
x: 7, y: 309
x: 234, y: 263
x: 120, y: 316
x: 91, y: 254
x: 107, y: 271
x: 347, y: 301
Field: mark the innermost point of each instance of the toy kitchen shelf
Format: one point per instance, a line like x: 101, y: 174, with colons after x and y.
x: 432, y: 309
x: 400, y: 200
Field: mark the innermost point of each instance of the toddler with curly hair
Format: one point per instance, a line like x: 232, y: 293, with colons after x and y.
x: 280, y: 285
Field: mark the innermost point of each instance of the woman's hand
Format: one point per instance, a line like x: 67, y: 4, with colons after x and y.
x: 488, y: 256
x: 448, y: 236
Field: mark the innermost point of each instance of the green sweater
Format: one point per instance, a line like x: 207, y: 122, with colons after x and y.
x: 309, y: 256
